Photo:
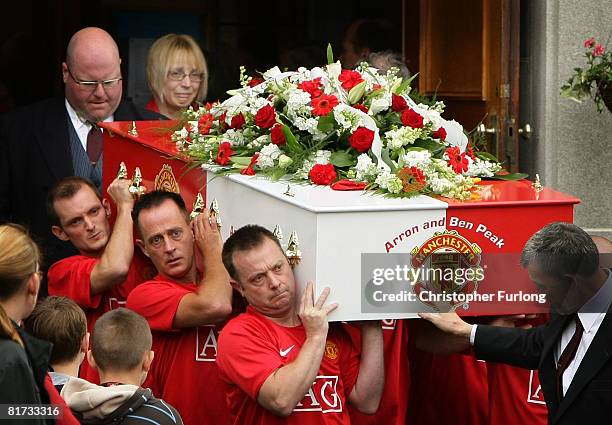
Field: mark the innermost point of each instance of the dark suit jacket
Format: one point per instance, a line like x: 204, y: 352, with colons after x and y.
x: 589, y: 397
x: 34, y: 155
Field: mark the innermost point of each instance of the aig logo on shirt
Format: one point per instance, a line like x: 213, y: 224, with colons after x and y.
x: 322, y: 396
x: 535, y: 389
x: 206, y: 343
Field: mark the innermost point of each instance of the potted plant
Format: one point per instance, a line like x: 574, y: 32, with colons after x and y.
x: 595, y: 80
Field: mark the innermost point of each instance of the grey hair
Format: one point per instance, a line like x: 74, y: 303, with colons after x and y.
x: 562, y: 248
x: 387, y: 59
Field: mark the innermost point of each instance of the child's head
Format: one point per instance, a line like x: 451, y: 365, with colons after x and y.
x: 62, y: 322
x: 121, y: 342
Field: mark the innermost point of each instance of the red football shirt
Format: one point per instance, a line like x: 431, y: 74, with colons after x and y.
x: 447, y: 389
x: 184, y: 370
x: 515, y: 394
x: 394, y: 402
x: 252, y: 347
x: 71, y: 278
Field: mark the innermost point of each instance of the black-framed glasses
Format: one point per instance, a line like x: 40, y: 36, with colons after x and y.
x: 93, y: 85
x: 194, y: 77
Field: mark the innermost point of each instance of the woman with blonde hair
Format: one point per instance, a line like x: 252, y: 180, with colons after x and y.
x: 24, y: 360
x: 177, y: 74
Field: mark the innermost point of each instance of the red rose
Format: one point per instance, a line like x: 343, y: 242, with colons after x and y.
x: 349, y: 79
x: 323, y: 104
x: 398, y: 103
x: 361, y: 139
x: 322, y: 174
x: 598, y: 50
x: 255, y: 82
x: 237, y: 121
x: 277, y: 136
x: 589, y: 42
x: 313, y: 87
x: 439, y: 134
x: 248, y: 171
x: 225, y: 151
x: 411, y: 118
x: 457, y: 160
x: 265, y: 117
x: 361, y: 107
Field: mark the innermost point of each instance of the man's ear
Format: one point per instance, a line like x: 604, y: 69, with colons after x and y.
x: 148, y: 359
x: 59, y: 233
x: 64, y: 72
x: 237, y: 286
x: 85, y: 343
x: 106, y: 206
x: 141, y: 245
x: 91, y: 360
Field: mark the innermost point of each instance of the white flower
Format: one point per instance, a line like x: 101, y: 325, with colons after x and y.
x: 235, y: 137
x: 402, y: 136
x: 479, y: 168
x: 347, y: 117
x: 365, y: 168
x: 298, y: 102
x: 267, y: 155
x: 417, y: 158
x: 388, y: 181
x: 259, y: 141
x: 322, y: 157
x: 284, y: 161
x: 380, y: 103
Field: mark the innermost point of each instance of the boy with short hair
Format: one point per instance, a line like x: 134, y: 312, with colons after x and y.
x: 62, y: 322
x: 121, y: 353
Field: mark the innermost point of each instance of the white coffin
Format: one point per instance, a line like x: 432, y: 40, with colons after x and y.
x: 334, y: 229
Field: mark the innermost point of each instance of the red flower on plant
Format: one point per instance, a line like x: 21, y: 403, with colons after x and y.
x: 413, y: 179
x: 313, y: 87
x: 398, y: 103
x: 277, y: 136
x: 589, y: 42
x: 470, y: 152
x: 361, y: 139
x: 205, y: 123
x: 323, y: 174
x: 439, y: 134
x: 238, y: 121
x: 598, y: 50
x: 224, y: 153
x: 248, y: 171
x: 412, y: 118
x: 361, y: 107
x: 265, y: 117
x: 255, y: 81
x: 349, y: 79
x: 457, y: 160
x: 222, y: 123
x: 323, y: 104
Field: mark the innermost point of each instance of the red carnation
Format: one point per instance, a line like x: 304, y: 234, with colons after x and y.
x: 412, y: 118
x: 277, y: 136
x: 248, y: 171
x: 361, y: 139
x: 237, y: 121
x: 589, y: 42
x: 322, y: 174
x: 225, y: 151
x: 265, y: 117
x: 313, y: 87
x: 361, y: 107
x: 324, y: 104
x: 349, y: 79
x: 598, y: 50
x: 255, y: 81
x: 439, y: 134
x: 398, y: 103
x: 457, y: 160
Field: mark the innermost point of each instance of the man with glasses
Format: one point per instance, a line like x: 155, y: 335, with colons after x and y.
x: 47, y: 141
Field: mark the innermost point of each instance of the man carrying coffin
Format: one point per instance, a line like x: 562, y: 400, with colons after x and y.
x: 185, y: 307
x: 104, y: 272
x: 282, y: 362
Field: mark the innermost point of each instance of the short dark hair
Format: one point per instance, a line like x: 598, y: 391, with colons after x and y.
x: 244, y: 239
x: 155, y: 199
x: 66, y: 188
x: 62, y: 322
x: 562, y: 248
x: 119, y: 340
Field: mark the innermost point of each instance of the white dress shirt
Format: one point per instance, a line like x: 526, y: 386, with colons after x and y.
x: 81, y: 126
x: 591, y: 315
